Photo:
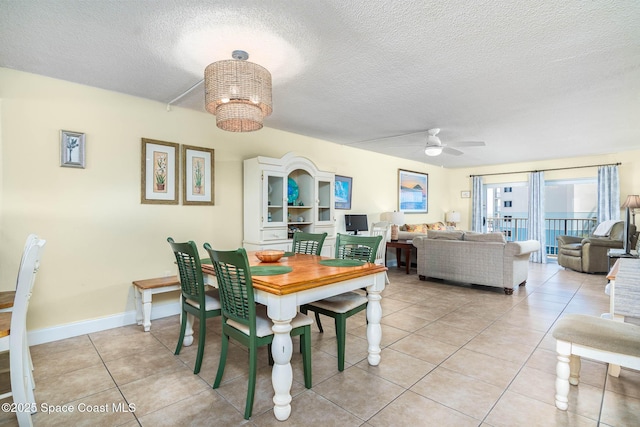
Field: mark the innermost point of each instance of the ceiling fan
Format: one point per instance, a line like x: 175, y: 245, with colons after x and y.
x: 435, y: 147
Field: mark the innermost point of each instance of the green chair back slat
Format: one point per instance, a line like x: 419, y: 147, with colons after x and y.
x: 235, y: 285
x: 363, y: 248
x: 308, y: 243
x: 189, y: 269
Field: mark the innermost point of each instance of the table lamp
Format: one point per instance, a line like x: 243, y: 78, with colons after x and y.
x: 632, y: 203
x: 395, y: 219
x: 452, y: 218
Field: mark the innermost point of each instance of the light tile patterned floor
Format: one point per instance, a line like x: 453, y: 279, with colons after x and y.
x: 452, y: 355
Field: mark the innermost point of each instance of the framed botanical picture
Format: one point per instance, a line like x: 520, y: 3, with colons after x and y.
x: 72, y: 149
x: 343, y: 189
x: 197, y: 175
x: 413, y: 192
x: 159, y: 172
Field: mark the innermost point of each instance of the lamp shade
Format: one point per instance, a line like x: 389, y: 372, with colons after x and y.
x: 632, y: 202
x: 453, y: 216
x: 393, y: 217
x: 238, y: 93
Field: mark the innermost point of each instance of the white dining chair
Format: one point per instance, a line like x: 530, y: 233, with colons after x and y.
x: 13, y: 333
x: 382, y: 228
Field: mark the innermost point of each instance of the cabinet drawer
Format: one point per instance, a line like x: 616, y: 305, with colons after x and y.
x: 274, y: 234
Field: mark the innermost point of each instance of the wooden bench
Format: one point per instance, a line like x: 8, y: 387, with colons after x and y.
x: 144, y: 289
x: 595, y: 338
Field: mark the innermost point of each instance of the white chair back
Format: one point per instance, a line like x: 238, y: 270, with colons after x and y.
x: 19, y: 360
x: 383, y: 229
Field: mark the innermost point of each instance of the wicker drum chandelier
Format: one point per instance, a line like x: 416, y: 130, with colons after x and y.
x: 238, y: 93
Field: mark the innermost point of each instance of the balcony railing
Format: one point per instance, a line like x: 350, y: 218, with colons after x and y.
x: 515, y: 229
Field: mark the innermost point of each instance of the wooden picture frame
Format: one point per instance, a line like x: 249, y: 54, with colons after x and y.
x: 413, y: 192
x: 198, y: 175
x: 72, y: 149
x: 159, y: 172
x: 343, y: 189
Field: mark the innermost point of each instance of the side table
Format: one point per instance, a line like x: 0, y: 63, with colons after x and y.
x: 401, y: 244
x: 615, y: 254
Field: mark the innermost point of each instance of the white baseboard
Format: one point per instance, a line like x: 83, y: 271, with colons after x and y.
x: 60, y: 332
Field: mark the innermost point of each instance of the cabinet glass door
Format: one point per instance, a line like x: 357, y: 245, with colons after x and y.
x: 325, y: 201
x: 275, y: 207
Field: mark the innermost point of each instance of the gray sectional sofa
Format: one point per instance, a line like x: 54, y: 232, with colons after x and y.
x: 476, y: 258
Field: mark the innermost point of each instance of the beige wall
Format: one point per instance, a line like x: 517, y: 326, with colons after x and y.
x: 99, y: 236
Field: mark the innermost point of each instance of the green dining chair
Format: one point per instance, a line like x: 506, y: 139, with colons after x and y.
x: 345, y: 305
x: 194, y: 300
x: 247, y: 322
x: 307, y: 243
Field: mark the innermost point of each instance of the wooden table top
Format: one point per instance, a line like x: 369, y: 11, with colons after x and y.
x: 6, y: 299
x: 5, y: 324
x: 307, y: 273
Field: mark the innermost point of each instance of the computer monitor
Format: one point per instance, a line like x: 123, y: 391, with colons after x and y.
x: 355, y: 223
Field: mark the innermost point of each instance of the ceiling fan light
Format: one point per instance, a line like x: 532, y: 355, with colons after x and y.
x: 433, y: 151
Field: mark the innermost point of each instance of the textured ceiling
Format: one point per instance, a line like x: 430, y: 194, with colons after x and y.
x: 534, y: 80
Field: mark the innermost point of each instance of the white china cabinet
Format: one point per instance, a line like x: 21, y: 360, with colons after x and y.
x: 282, y: 196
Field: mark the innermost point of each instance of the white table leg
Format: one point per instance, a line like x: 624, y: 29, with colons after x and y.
x: 138, y: 301
x: 146, y: 310
x: 188, y: 331
x: 282, y: 374
x: 563, y: 372
x: 374, y: 330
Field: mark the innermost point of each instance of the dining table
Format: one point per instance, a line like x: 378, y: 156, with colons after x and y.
x: 298, y: 279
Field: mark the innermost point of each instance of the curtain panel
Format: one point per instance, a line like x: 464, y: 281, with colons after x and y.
x: 477, y: 219
x: 536, y: 226
x: 608, y: 193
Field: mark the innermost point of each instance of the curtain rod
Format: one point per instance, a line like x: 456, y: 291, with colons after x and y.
x: 546, y: 170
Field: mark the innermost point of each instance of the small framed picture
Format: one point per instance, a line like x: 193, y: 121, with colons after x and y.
x: 197, y: 175
x: 343, y: 190
x: 159, y: 172
x: 72, y: 149
x: 465, y: 194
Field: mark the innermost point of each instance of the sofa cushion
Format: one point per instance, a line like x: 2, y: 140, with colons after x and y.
x: 445, y: 235
x: 484, y: 237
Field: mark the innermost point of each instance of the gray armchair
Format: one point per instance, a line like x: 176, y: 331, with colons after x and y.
x: 589, y: 255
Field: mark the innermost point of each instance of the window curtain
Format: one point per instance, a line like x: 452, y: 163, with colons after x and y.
x: 536, y: 226
x: 477, y: 220
x: 608, y: 193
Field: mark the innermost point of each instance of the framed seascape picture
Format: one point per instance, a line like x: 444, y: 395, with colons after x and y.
x: 197, y: 175
x: 343, y: 188
x: 413, y: 189
x: 72, y: 149
x: 159, y: 172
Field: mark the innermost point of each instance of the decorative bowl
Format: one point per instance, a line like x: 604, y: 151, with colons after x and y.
x: 269, y: 255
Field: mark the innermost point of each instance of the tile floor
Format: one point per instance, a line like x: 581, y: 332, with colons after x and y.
x: 452, y: 355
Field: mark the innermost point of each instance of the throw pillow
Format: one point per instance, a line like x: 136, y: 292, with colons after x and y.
x: 436, y: 226
x: 416, y: 228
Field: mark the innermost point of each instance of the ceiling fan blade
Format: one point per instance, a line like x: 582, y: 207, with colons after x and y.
x: 452, y: 151
x: 466, y: 144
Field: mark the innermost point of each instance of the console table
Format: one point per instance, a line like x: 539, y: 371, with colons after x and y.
x: 401, y: 244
